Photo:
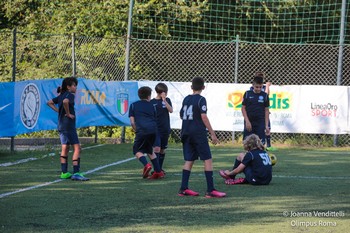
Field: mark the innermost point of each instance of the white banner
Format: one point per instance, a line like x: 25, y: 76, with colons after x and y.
x: 293, y: 108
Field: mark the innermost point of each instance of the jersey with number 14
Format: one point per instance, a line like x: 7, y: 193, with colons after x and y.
x: 192, y: 108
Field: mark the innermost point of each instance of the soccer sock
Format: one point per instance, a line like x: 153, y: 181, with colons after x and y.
x: 161, y: 160
x: 155, y: 163
x: 76, y: 168
x: 185, y: 178
x: 210, y: 180
x: 64, y: 166
x: 143, y: 160
x: 268, y: 140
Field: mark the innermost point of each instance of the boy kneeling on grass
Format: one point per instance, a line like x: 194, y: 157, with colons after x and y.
x: 255, y: 164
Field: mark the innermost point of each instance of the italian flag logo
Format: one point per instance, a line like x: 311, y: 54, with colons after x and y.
x: 122, y: 103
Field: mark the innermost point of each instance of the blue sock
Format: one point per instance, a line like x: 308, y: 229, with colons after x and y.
x: 161, y: 160
x: 143, y: 160
x: 268, y: 140
x: 185, y: 178
x: 76, y: 168
x: 64, y: 167
x: 155, y: 163
x: 210, y: 180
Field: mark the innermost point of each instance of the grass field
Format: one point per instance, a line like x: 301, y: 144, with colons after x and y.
x: 310, y: 192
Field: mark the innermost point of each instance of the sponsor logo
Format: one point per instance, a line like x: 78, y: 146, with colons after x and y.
x: 324, y: 109
x: 92, y: 97
x: 122, y: 103
x: 278, y: 100
x: 30, y: 105
x: 234, y: 100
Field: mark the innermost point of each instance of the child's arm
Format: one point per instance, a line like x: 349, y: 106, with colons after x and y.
x: 267, y: 118
x: 267, y: 89
x: 236, y: 171
x: 168, y: 106
x: 246, y: 119
x: 66, y: 108
x: 132, y: 123
x: 52, y: 105
x: 207, y: 124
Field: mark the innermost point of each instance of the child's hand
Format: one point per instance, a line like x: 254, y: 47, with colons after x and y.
x: 163, y: 96
x: 268, y: 84
x: 214, y: 139
x: 248, y: 126
x: 71, y: 116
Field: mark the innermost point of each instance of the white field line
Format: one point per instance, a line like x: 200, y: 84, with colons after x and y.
x: 44, y: 156
x: 289, y: 177
x: 59, y: 180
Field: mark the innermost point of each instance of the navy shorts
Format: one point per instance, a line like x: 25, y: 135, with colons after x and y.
x: 258, y: 128
x: 248, y: 172
x: 144, y: 143
x: 161, y: 141
x: 195, y: 147
x: 69, y: 138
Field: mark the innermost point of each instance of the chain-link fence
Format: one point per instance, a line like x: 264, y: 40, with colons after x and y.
x: 52, y: 56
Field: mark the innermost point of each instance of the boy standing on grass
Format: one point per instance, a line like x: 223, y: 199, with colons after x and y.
x: 194, y: 139
x: 66, y: 127
x: 163, y: 107
x: 255, y: 110
x: 266, y: 88
x: 143, y: 120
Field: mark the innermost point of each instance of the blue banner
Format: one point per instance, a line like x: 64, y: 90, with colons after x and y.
x: 23, y: 107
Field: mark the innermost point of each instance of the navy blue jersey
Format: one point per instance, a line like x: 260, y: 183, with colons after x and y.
x: 255, y: 104
x: 65, y: 123
x: 192, y: 108
x: 163, y: 118
x: 260, y: 164
x: 145, y: 117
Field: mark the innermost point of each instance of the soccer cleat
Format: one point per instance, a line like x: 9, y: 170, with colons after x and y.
x: 156, y: 175
x: 66, y: 175
x: 79, y: 177
x: 187, y: 192
x: 223, y: 175
x: 215, y: 193
x: 155, y: 171
x: 270, y: 148
x: 236, y: 181
x: 146, y: 169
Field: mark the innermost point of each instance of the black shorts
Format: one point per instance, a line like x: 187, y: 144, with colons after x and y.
x: 195, y: 147
x: 144, y: 143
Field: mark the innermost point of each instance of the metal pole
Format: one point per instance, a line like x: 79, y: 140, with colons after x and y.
x: 340, y: 55
x: 127, y: 56
x: 236, y: 74
x: 236, y: 58
x: 14, y: 47
x: 74, y: 64
x: 127, y: 49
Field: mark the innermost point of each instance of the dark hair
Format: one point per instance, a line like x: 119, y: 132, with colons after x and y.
x: 144, y: 92
x: 67, y: 82
x: 197, y: 83
x: 160, y: 88
x: 260, y: 74
x: 258, y: 80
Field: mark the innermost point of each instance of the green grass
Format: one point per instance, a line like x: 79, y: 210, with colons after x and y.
x: 117, y: 199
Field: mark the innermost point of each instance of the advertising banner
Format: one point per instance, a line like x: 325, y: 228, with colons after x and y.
x: 23, y: 107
